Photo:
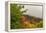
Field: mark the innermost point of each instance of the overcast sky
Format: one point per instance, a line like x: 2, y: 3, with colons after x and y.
x: 33, y: 10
